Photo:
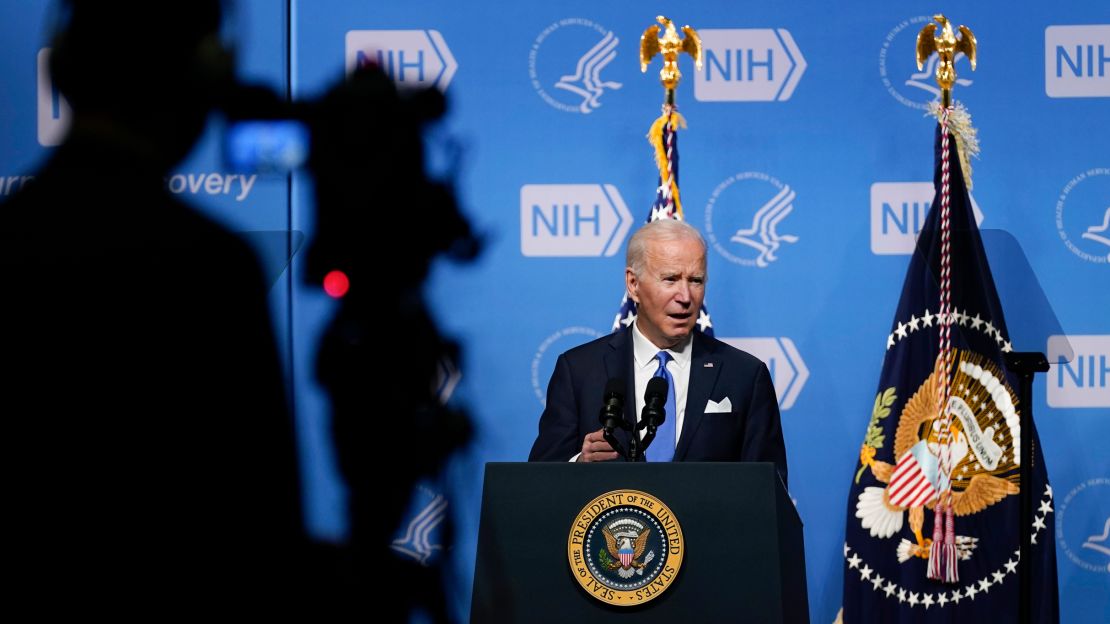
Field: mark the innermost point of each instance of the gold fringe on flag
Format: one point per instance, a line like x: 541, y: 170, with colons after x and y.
x: 967, y: 137
x: 675, y: 120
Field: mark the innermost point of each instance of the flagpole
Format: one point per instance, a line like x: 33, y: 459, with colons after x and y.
x: 943, y: 555
x: 1024, y: 365
x: 663, y: 40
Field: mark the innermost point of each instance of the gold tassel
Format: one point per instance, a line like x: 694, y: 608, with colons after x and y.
x: 655, y: 137
x: 967, y: 136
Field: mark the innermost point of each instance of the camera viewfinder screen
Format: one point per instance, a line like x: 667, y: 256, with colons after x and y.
x: 267, y: 146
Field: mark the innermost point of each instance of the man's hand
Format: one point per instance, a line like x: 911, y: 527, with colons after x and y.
x: 596, y: 449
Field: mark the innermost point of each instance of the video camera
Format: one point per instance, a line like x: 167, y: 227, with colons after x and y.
x: 362, y: 141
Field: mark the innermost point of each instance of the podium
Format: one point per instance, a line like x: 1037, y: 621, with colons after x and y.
x: 743, y: 556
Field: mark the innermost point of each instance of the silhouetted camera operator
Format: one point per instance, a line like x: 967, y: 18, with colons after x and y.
x: 381, y: 222
x: 151, y: 459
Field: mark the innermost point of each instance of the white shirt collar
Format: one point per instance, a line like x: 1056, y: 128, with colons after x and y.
x: 644, y: 351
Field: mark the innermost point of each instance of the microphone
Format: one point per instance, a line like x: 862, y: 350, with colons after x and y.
x: 612, y: 406
x: 655, y: 402
x: 655, y: 411
x: 612, y: 412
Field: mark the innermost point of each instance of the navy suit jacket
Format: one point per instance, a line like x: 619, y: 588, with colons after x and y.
x: 750, y: 432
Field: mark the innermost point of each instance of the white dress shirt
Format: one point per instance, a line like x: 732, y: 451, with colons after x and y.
x: 645, y: 364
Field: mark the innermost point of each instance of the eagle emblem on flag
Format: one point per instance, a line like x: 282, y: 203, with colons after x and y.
x: 985, y: 454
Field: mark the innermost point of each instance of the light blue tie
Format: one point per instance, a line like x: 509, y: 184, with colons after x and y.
x: 662, y: 449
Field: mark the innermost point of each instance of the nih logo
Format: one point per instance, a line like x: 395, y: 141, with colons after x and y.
x: 898, y: 211
x: 1077, y: 61
x: 412, y: 58
x: 1080, y: 372
x: 54, y: 113
x: 748, y: 65
x: 788, y: 371
x: 572, y: 220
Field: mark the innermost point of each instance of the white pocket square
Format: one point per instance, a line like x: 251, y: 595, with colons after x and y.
x: 713, y: 407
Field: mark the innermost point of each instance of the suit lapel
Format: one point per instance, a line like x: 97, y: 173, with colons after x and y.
x: 619, y: 364
x: 705, y: 367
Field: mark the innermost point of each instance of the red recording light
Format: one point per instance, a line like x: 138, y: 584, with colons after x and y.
x: 336, y: 283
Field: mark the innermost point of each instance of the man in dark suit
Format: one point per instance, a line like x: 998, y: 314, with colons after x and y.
x: 723, y: 404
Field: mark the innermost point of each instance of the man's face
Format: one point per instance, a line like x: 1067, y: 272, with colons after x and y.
x: 669, y: 292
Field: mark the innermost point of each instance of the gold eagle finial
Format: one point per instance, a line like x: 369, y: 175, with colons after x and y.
x: 670, y: 46
x: 946, y: 46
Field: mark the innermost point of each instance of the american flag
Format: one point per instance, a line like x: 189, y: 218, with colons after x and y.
x: 664, y: 138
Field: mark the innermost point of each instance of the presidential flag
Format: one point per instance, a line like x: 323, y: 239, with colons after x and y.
x: 933, y: 525
x: 663, y: 137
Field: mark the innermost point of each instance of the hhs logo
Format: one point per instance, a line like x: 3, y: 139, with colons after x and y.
x: 414, y: 58
x: 1080, y: 373
x: 748, y: 65
x: 898, y: 211
x: 1083, y: 215
x: 543, y: 362
x: 1077, y: 61
x: 421, y: 537
x: 744, y: 215
x: 788, y: 371
x: 572, y: 220
x: 54, y: 114
x: 1083, y: 525
x: 575, y: 52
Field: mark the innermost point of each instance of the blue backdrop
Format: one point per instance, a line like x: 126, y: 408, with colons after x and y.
x: 822, y: 109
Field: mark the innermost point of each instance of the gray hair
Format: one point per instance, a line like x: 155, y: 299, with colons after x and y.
x: 659, y: 230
